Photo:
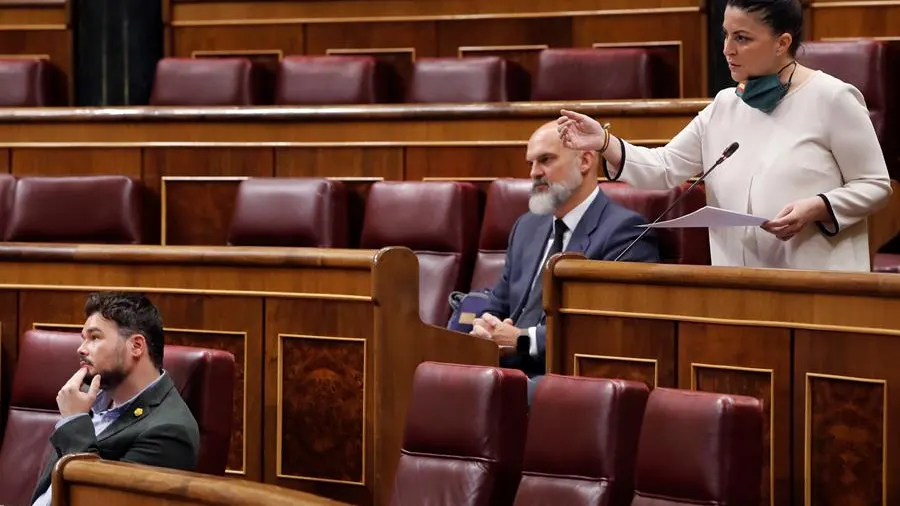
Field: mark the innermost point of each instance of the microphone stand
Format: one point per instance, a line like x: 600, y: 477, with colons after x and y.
x: 725, y: 154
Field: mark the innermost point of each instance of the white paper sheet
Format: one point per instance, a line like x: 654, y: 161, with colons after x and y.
x: 710, y: 217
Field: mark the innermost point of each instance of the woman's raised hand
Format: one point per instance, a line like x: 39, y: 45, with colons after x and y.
x: 578, y: 131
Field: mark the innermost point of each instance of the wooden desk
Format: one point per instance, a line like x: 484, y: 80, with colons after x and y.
x: 84, y: 479
x: 820, y: 349
x: 326, y: 343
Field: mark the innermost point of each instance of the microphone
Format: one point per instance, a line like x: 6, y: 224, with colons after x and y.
x: 725, y: 154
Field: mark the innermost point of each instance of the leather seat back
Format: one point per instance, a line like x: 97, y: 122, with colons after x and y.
x: 582, y: 442
x: 437, y: 221
x: 676, y: 245
x: 331, y: 80
x: 604, y: 74
x: 205, y: 379
x: 699, y: 448
x: 86, y: 209
x: 507, y: 200
x: 297, y: 212
x: 206, y: 82
x: 463, y: 439
x: 27, y: 83
x: 467, y: 80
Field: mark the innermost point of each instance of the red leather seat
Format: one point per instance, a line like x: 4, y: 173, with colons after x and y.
x: 330, y: 80
x: 206, y: 82
x: 26, y: 83
x: 603, y: 74
x: 507, y: 199
x: 86, y: 209
x: 437, y: 221
x: 463, y: 439
x: 676, y: 245
x: 48, y: 359
x: 699, y: 448
x: 467, y: 80
x: 299, y: 212
x: 582, y: 442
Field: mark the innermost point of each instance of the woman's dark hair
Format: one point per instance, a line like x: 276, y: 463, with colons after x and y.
x: 783, y: 16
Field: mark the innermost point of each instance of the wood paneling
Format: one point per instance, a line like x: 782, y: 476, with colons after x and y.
x: 817, y: 347
x: 76, y: 162
x: 746, y: 361
x: 842, y: 380
x: 465, y: 162
x: 184, y: 12
x: 286, y: 39
x: 322, y: 382
x: 353, y: 162
x: 4, y: 161
x: 687, y: 27
x: 198, y: 210
x: 232, y: 324
x: 639, y: 350
x: 836, y: 20
x: 84, y: 479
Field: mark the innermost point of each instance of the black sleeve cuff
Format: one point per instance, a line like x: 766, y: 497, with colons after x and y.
x: 834, y: 222
x: 621, y: 164
x: 523, y: 344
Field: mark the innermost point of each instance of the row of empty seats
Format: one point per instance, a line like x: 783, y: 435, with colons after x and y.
x: 561, y: 74
x: 204, y: 378
x: 460, y: 246
x: 470, y: 439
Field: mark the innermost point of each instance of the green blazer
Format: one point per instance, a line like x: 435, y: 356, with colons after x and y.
x: 157, y: 429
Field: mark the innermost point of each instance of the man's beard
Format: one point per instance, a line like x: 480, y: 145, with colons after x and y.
x: 109, y: 379
x: 548, y: 201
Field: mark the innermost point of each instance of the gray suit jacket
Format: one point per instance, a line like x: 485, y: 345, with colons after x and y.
x: 603, y: 233
x: 157, y: 429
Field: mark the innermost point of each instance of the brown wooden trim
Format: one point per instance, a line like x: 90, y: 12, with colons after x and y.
x: 436, y: 17
x: 677, y: 107
x: 873, y: 284
x: 190, y: 255
x: 34, y: 28
x: 846, y: 5
x: 31, y: 3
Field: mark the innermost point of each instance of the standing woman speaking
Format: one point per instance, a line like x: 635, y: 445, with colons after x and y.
x: 809, y: 158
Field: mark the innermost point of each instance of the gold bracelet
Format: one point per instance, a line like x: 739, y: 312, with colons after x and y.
x: 605, y: 140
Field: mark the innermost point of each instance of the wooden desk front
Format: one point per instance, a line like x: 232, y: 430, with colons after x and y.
x: 84, y: 479
x: 820, y: 349
x: 326, y: 343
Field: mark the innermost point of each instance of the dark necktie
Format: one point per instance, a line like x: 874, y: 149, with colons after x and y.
x: 533, y: 312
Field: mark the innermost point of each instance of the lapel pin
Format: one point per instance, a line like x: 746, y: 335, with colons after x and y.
x: 138, y: 412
